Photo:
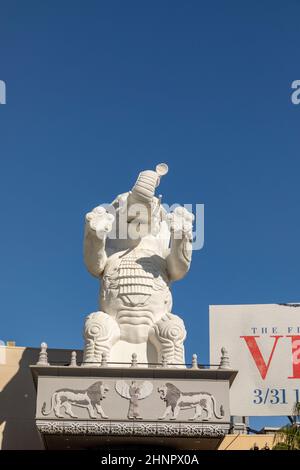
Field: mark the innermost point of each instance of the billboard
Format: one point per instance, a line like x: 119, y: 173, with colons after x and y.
x: 263, y: 344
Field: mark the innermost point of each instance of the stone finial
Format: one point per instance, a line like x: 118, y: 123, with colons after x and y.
x: 43, y: 356
x: 164, y: 361
x: 224, y: 363
x: 104, y: 359
x: 194, y: 361
x: 73, y: 362
x: 134, y: 360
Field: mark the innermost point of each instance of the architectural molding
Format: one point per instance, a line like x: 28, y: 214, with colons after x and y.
x: 123, y: 428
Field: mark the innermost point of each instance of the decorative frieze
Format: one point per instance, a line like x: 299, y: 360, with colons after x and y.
x: 131, y: 428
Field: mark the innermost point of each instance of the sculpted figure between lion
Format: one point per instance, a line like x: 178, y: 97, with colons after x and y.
x: 137, y: 249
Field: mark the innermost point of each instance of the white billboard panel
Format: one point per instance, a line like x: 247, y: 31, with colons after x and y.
x: 263, y: 343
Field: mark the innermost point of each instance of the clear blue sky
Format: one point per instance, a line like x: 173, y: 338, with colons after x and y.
x: 97, y: 91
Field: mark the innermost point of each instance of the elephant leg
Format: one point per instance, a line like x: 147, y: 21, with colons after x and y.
x: 101, y: 332
x: 168, y: 336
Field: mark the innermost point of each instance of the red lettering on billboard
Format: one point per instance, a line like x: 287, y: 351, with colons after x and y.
x: 262, y: 366
x: 295, y: 356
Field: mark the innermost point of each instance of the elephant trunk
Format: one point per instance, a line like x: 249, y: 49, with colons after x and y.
x: 144, y: 188
x: 142, y: 194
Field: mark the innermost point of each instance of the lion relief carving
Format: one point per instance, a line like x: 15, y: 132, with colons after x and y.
x: 89, y: 398
x: 177, y: 401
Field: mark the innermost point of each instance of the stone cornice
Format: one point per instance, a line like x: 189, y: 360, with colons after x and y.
x: 139, y: 372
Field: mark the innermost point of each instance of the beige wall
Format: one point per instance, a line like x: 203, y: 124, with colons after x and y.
x: 18, y: 396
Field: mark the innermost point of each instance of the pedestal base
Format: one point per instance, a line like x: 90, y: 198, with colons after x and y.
x: 80, y: 407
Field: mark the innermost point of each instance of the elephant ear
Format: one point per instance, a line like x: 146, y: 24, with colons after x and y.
x: 145, y: 390
x: 123, y: 389
x: 116, y: 244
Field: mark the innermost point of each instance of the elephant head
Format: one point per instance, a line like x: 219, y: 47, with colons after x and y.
x: 139, y: 210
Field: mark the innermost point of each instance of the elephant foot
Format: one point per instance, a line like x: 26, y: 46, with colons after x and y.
x: 168, y: 336
x: 101, y: 332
